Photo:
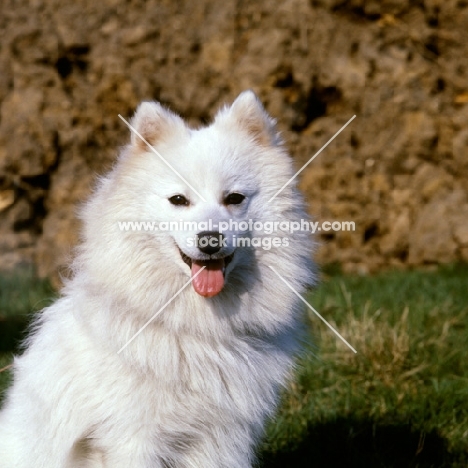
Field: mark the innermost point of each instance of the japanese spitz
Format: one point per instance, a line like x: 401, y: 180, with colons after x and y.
x: 180, y: 325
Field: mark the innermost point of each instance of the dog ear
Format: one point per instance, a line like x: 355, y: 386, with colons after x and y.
x: 154, y: 123
x: 247, y: 113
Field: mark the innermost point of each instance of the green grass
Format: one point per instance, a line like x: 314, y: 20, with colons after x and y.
x: 401, y: 401
x: 20, y: 295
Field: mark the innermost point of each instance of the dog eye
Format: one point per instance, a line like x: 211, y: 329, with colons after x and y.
x: 234, y: 199
x: 179, y: 200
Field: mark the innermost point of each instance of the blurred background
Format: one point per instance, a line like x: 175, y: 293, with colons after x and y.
x: 399, y: 171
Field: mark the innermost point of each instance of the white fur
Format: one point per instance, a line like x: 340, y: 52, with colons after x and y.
x: 195, y: 388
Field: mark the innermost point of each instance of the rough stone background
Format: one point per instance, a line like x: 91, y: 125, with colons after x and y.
x: 400, y: 170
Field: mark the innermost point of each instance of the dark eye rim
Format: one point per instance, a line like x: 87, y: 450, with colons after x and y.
x: 178, y: 200
x: 234, y: 198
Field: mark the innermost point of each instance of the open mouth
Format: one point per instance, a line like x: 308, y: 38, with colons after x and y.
x: 207, y: 275
x: 189, y: 261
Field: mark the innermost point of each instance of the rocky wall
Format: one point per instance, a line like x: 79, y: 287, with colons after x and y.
x: 399, y: 170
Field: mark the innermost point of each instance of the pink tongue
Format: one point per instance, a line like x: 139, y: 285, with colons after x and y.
x: 211, y: 280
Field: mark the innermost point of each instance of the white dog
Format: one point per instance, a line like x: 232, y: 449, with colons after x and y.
x: 169, y: 346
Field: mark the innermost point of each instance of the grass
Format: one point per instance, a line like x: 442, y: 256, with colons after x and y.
x: 23, y: 293
x: 401, y: 401
x: 20, y: 295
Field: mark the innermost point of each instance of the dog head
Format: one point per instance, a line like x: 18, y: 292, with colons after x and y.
x: 199, y: 191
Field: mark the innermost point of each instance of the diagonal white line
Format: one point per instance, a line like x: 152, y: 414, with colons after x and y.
x: 160, y: 310
x: 312, y: 158
x: 312, y: 309
x: 156, y: 152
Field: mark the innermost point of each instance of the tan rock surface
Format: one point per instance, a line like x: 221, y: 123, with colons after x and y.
x: 399, y: 171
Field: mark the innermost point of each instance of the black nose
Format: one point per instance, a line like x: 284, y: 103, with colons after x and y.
x: 210, y: 242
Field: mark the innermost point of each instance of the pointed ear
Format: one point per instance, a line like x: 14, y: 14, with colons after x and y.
x: 247, y: 113
x: 154, y: 123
